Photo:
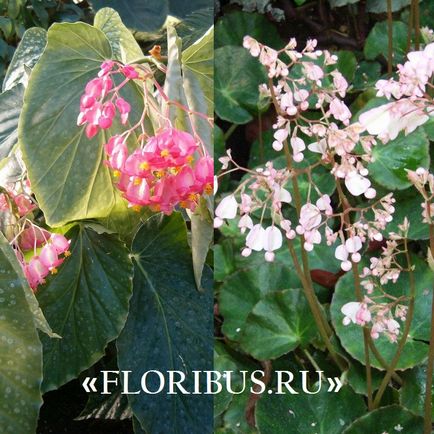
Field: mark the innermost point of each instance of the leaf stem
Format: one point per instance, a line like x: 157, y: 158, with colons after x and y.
x: 403, y: 340
x: 390, y: 38
x: 429, y: 369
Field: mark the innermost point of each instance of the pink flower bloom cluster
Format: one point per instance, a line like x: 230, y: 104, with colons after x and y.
x: 163, y: 173
x: 379, y: 316
x: 424, y: 183
x: 412, y: 105
x: 47, y: 261
x: 169, y: 169
x: 101, y: 101
x: 264, y: 189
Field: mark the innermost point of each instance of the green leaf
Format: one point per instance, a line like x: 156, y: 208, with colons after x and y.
x: 198, y: 75
x: 356, y: 377
x: 377, y: 41
x: 380, y: 6
x: 202, y: 235
x: 185, y: 8
x: 278, y: 323
x: 236, y: 87
x: 146, y: 16
x: 232, y: 27
x: 366, y: 75
x: 340, y: 3
x: 20, y: 351
x: 391, y: 419
x: 322, y: 413
x: 65, y: 168
x: 28, y: 52
x: 11, y: 102
x: 392, y: 159
x: 412, y: 392
x: 124, y: 47
x: 86, y: 303
x: 347, y: 64
x: 243, y: 289
x: 415, y: 351
x: 169, y: 327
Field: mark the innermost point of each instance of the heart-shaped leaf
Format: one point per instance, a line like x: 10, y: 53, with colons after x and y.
x: 236, y: 88
x: 26, y: 55
x: 279, y: 323
x: 86, y: 303
x: 321, y: 413
x: 392, y: 159
x: 169, y: 327
x: 65, y: 168
x: 242, y: 290
x: 391, y: 419
x: 20, y: 350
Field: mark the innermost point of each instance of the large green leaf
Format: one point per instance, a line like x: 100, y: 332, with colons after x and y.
x: 377, y: 41
x: 243, y: 289
x: 124, y: 47
x: 198, y: 75
x: 415, y: 350
x: 20, y: 351
x: 65, y: 168
x: 150, y: 15
x: 232, y: 27
x: 391, y: 419
x: 11, y: 102
x: 86, y: 303
x: 26, y: 55
x: 380, y: 6
x: 322, y: 413
x: 279, y: 323
x: 413, y: 391
x: 237, y: 77
x: 392, y: 159
x: 169, y: 327
x: 144, y: 15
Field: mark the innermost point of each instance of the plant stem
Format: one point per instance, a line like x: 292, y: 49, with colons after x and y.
x: 416, y: 25
x: 390, y: 38
x: 260, y: 139
x: 410, y: 26
x: 229, y: 131
x: 304, y: 273
x: 403, y: 340
x: 359, y: 296
x: 429, y: 369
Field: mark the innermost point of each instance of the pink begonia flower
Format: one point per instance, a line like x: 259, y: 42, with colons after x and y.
x: 226, y: 209
x: 286, y: 226
x: 298, y: 147
x: 340, y: 111
x: 310, y: 218
x: 319, y: 147
x: 356, y: 183
x: 130, y: 72
x: 324, y: 204
x: 255, y: 238
x: 356, y: 313
x: 61, y: 244
x: 106, y: 67
x: 138, y: 192
x: 312, y: 71
x: 272, y: 241
x: 287, y: 104
x: 124, y: 109
x: 341, y: 253
x: 339, y: 82
x: 311, y: 237
x: 32, y: 237
x: 280, y: 136
x: 50, y: 258
x: 252, y: 45
x: 36, y: 272
x: 246, y: 203
x: 388, y: 120
x: 245, y: 223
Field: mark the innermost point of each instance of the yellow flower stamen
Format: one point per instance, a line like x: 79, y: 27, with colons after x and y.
x: 144, y: 165
x: 165, y: 153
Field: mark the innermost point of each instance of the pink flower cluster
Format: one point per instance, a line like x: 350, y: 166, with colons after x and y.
x: 47, y: 261
x: 163, y: 173
x: 412, y: 106
x: 101, y: 100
